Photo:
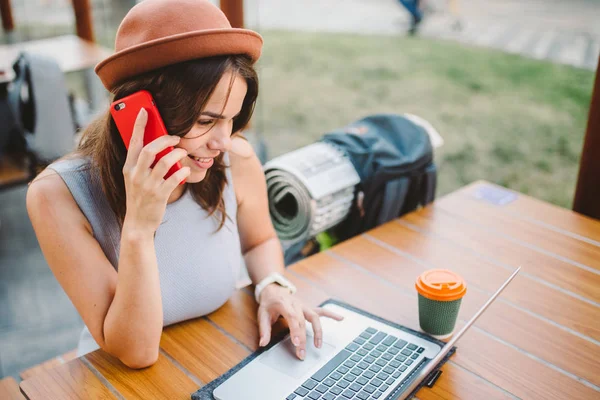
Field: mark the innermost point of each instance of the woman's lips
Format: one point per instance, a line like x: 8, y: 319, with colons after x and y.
x: 202, y: 162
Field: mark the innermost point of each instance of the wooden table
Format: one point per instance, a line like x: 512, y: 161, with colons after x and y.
x: 539, y: 340
x: 71, y: 52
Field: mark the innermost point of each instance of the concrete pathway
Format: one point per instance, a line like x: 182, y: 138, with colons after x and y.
x: 558, y: 31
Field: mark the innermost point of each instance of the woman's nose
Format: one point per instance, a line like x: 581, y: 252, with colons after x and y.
x: 221, y: 138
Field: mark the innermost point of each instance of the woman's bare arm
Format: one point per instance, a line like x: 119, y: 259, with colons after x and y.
x: 263, y: 255
x: 122, y: 311
x: 260, y: 245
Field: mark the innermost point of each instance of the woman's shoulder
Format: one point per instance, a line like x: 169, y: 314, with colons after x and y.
x: 240, y: 148
x: 246, y: 169
x: 49, y: 197
x: 47, y: 186
x: 50, y: 184
x: 243, y: 160
x: 50, y: 202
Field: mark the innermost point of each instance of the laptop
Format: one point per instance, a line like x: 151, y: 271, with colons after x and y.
x: 361, y: 358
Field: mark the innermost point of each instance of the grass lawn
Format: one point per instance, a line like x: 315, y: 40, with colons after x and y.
x: 510, y: 120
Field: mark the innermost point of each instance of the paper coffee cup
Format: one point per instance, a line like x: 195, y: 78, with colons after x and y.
x: 440, y: 294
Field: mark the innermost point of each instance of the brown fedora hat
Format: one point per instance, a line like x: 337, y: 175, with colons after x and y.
x: 157, y: 33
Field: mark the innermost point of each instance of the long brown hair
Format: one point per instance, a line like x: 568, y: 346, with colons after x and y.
x: 180, y: 92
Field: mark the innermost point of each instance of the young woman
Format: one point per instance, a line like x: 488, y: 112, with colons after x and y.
x: 135, y: 252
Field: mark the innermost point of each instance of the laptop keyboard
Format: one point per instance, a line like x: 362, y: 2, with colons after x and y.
x: 364, y: 370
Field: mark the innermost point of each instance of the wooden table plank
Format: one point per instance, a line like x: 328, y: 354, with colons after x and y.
x: 458, y: 383
x: 72, y: 380
x: 311, y: 294
x: 340, y: 281
x: 375, y: 295
x: 524, y: 376
x: 58, y: 360
x: 201, y: 348
x: 28, y: 373
x: 9, y: 389
x: 536, y: 336
x: 545, y: 214
x: 547, y: 268
x: 528, y: 293
x: 163, y: 380
x: 238, y: 318
x: 495, y: 218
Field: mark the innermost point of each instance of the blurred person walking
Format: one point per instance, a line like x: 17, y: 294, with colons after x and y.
x: 412, y: 6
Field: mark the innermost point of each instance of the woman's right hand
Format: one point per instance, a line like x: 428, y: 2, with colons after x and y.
x: 146, y: 189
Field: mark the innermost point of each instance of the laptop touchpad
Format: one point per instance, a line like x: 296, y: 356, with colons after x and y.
x: 283, y: 357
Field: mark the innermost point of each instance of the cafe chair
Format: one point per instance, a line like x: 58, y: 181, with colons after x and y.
x: 37, y: 112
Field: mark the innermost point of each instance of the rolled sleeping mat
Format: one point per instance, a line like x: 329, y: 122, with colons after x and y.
x: 290, y: 205
x: 310, y: 190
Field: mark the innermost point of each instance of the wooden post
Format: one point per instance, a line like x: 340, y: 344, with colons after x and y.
x: 83, y: 19
x: 8, y: 23
x: 587, y: 194
x: 234, y: 10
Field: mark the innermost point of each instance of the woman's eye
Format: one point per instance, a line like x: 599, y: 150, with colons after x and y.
x: 206, y: 122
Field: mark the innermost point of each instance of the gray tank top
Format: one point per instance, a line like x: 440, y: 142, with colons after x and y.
x: 198, y: 265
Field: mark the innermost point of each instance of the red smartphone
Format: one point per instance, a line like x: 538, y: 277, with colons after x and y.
x: 125, y: 112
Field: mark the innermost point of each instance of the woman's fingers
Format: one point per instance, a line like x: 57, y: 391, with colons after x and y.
x: 151, y: 150
x: 166, y: 162
x: 140, y: 158
x: 295, y: 320
x: 174, y: 180
x: 136, y: 143
x: 264, y: 327
x: 301, y: 323
x: 323, y: 312
x: 313, y: 318
x: 296, y: 315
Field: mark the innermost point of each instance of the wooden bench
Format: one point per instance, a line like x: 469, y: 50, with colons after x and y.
x: 9, y: 389
x: 54, y: 362
x: 13, y: 171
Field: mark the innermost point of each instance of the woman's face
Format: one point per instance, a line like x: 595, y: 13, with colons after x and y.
x: 211, y: 135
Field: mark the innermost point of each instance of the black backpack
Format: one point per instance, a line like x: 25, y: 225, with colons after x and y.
x: 394, y: 159
x: 13, y: 111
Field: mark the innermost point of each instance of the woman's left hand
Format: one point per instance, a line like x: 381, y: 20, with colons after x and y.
x: 276, y: 301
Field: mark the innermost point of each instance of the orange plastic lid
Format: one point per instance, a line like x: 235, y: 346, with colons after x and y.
x: 441, y: 284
